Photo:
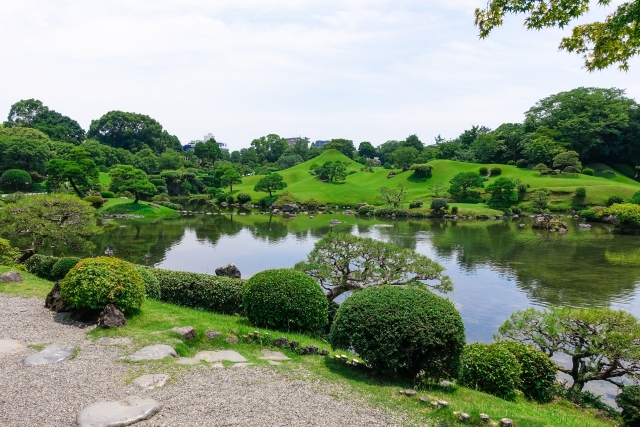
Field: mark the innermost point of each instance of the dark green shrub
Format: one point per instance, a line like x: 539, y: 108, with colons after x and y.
x: 495, y: 171
x: 482, y: 217
x: 629, y: 401
x: 265, y: 202
x: 107, y: 194
x: 537, y: 371
x: 151, y: 283
x: 158, y: 182
x: 635, y: 199
x: 581, y: 192
x: 521, y: 163
x: 507, y: 211
x: 483, y: 170
x: 285, y: 300
x: 590, y: 215
x: 8, y: 254
x: 170, y: 205
x: 454, y: 210
x: 230, y: 199
x: 201, y: 291
x: 626, y: 170
x: 96, y: 201
x: 96, y: 282
x: 16, y: 179
x: 422, y: 171
x: 332, y: 310
x: 522, y: 188
x: 490, y: 368
x: 588, y: 171
x: 415, y: 204
x: 516, y: 209
x: 387, y: 165
x: 437, y: 204
x: 62, y: 267
x: 41, y: 265
x: 312, y: 204
x: 401, y: 330
x: 243, y: 198
x: 161, y: 189
x: 366, y: 210
x: 612, y: 200
x: 511, y: 162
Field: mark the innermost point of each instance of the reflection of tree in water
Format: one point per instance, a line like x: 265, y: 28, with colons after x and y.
x: 271, y: 231
x: 581, y: 268
x: 211, y: 229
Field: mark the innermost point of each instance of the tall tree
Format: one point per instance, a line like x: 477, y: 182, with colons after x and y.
x: 128, y: 178
x: 78, y: 169
x: 269, y: 147
x: 231, y: 177
x: 405, y: 157
x: 365, y: 149
x: 24, y: 148
x: 393, y: 196
x: 503, y: 193
x: 462, y: 185
x: 345, y: 146
x: 130, y: 131
x: 33, y: 113
x: 541, y: 150
x: 333, y: 171
x: 146, y: 160
x: 208, y: 151
x: 601, y: 44
x: 270, y: 183
x: 413, y: 141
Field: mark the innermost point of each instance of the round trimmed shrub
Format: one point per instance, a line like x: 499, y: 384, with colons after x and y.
x: 490, y: 368
x: 629, y: 401
x: 243, y: 198
x: 16, y: 178
x: 387, y: 165
x: 286, y: 300
x: 495, y: 171
x: 96, y: 282
x: 521, y: 163
x: 538, y: 371
x: 613, y: 200
x: 588, y: 171
x: 62, y: 267
x: 511, y: 162
x: 454, y: 210
x: 151, y: 283
x: 41, y: 265
x: 108, y: 194
x: 96, y: 201
x: 581, y: 192
x: 483, y: 170
x: 437, y: 204
x: 401, y: 330
x: 635, y: 199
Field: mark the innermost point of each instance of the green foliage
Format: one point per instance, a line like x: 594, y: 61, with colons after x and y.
x: 312, y: 204
x: 503, y: 193
x: 344, y: 146
x: 269, y: 148
x: 404, y: 157
x: 629, y: 401
x: 454, y: 210
x: 588, y: 171
x: 128, y: 178
x: 333, y: 171
x: 393, y: 196
x: 416, y: 204
x: 401, y: 330
x: 243, y: 198
x: 542, y: 168
x: 230, y: 177
x: 626, y: 170
x: 41, y: 265
x: 96, y: 201
x: 31, y: 113
x: 366, y: 210
x: 96, y: 282
x: 77, y: 168
x: 635, y: 199
x: 170, y: 205
x: 567, y: 159
x: 511, y: 162
x: 490, y: 368
x: 200, y: 291
x: 628, y: 216
x: 580, y: 192
x: 8, y: 254
x: 151, y: 283
x: 285, y: 300
x: 62, y: 267
x: 495, y: 171
x: 270, y: 183
x: 462, y: 185
x: 16, y: 178
x: 366, y: 149
x: 25, y: 149
x: 387, y: 165
x: 422, y: 171
x: 208, y: 151
x: 107, y: 194
x: 537, y: 371
x: 483, y: 170
x: 614, y: 199
x: 437, y: 204
x: 521, y: 163
x: 539, y: 200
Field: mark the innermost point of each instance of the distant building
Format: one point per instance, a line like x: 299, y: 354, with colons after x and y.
x: 292, y: 141
x: 191, y: 145
x: 322, y: 143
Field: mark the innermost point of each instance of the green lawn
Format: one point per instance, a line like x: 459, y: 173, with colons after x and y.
x: 159, y: 317
x: 126, y: 206
x: 363, y: 186
x: 105, y: 179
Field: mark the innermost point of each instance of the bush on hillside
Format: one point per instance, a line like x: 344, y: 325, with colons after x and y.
x: 491, y: 369
x: 613, y: 200
x: 521, y: 163
x: 438, y: 204
x: 151, y: 283
x: 366, y: 210
x: 41, y: 265
x: 483, y: 170
x: 495, y: 171
x: 588, y: 171
x: 628, y: 217
x: 96, y: 282
x: 285, y: 198
x: 158, y: 182
x: 422, y: 171
x: 454, y: 210
x: 635, y: 199
x: 285, y: 300
x: 387, y: 165
x: 537, y: 371
x: 243, y: 198
x: 8, y: 254
x: 580, y: 192
x: 265, y: 202
x: 415, y: 204
x: 629, y: 401
x: 401, y: 330
x: 511, y: 162
x: 170, y: 205
x: 201, y: 291
x: 107, y: 194
x: 62, y: 267
x: 312, y: 204
x: 96, y: 201
x: 626, y: 170
x: 542, y: 168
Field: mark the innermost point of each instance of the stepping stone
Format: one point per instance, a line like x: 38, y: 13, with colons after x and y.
x: 118, y: 414
x: 115, y: 341
x: 50, y: 354
x: 10, y: 346
x: 273, y: 355
x: 213, y: 334
x: 232, y: 340
x: 187, y: 361
x: 187, y: 332
x: 219, y: 356
x: 153, y: 352
x: 151, y: 381
x: 241, y: 365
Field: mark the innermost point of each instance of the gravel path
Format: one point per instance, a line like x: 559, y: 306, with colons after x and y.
x: 52, y: 395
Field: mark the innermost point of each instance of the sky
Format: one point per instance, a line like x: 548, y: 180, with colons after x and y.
x: 366, y: 70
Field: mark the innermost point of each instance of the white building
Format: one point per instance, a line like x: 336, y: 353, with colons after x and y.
x: 191, y: 145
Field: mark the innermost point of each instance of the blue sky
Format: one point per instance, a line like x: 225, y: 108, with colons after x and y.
x: 360, y: 69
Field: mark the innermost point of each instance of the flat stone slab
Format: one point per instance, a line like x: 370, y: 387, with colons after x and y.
x: 10, y: 346
x: 273, y: 355
x: 241, y: 365
x: 52, y: 353
x: 187, y: 361
x: 115, y: 341
x: 118, y: 414
x: 219, y: 356
x: 151, y: 381
x: 153, y: 352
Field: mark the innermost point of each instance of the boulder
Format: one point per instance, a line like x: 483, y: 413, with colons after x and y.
x: 54, y: 300
x: 11, y: 276
x: 464, y: 417
x: 410, y: 392
x: 212, y: 334
x: 123, y: 413
x: 289, y: 207
x: 151, y: 381
x: 232, y: 340
x: 485, y: 418
x: 584, y: 226
x: 506, y: 422
x: 229, y: 270
x: 111, y: 317
x: 187, y: 332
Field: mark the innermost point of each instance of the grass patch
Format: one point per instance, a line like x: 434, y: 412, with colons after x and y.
x: 127, y: 207
x: 40, y: 347
x: 32, y: 286
x: 104, y: 179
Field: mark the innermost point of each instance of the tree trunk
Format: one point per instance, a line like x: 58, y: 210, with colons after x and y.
x: 335, y: 292
x: 75, y: 188
x: 26, y: 254
x: 137, y: 197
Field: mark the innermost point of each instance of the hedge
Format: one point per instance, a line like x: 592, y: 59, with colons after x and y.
x: 62, y: 267
x: 41, y: 265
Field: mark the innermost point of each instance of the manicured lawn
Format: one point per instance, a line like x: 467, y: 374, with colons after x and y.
x: 126, y: 206
x: 151, y: 324
x: 105, y: 179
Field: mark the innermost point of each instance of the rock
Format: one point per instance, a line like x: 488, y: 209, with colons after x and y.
x: 443, y: 404
x: 310, y: 216
x: 229, y: 270
x: 506, y: 422
x: 434, y: 405
x: 464, y: 417
x: 114, y: 341
x: 584, y: 226
x: 219, y: 356
x: 485, y: 418
x: 10, y: 346
x: 410, y: 392
x: 187, y: 332
x: 241, y: 365
x: 446, y: 384
x: 289, y: 207
x: 111, y: 317
x: 153, y: 352
x: 273, y: 355
x: 11, y: 276
x: 118, y: 414
x: 231, y: 340
x: 151, y: 381
x: 53, y: 353
x: 213, y: 334
x: 54, y: 300
x: 188, y: 361
x: 359, y: 205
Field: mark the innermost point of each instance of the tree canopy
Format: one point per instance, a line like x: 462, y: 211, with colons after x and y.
x: 78, y: 169
x: 333, y: 171
x: 128, y: 178
x: 270, y: 183
x: 24, y: 148
x: 269, y: 147
x: 345, y: 146
x: 366, y: 149
x: 601, y: 44
x: 32, y: 113
x: 462, y: 186
x: 209, y: 151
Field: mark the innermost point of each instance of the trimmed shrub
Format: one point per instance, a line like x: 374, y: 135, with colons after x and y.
x: 8, y: 254
x: 62, y: 267
x: 96, y: 282
x: 490, y: 368
x: 243, y: 198
x: 437, y: 204
x: 108, y: 194
x: 635, y: 199
x: 581, y: 192
x: 521, y: 163
x: 422, y: 171
x: 312, y: 204
x: 415, y: 204
x: 158, y: 182
x: 495, y: 171
x: 588, y: 171
x: 161, y: 189
x: 96, y: 201
x: 522, y: 188
x: 387, y: 165
x: 537, y: 371
x: 401, y: 330
x: 511, y: 162
x: 483, y: 170
x: 151, y: 283
x: 41, y: 265
x: 454, y: 210
x: 366, y: 210
x: 201, y: 291
x: 16, y: 178
x: 629, y: 401
x: 613, y: 200
x: 285, y: 300
x: 332, y: 310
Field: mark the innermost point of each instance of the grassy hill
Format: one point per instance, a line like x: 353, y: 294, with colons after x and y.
x: 363, y: 186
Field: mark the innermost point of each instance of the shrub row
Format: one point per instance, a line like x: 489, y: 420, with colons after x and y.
x: 174, y: 206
